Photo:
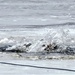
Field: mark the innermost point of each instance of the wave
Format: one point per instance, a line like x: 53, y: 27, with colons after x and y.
x: 38, y: 26
x: 62, y: 37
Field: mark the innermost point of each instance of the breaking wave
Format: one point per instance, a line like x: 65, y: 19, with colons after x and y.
x: 61, y: 37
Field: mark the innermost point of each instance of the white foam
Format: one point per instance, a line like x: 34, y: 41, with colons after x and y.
x: 60, y: 36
